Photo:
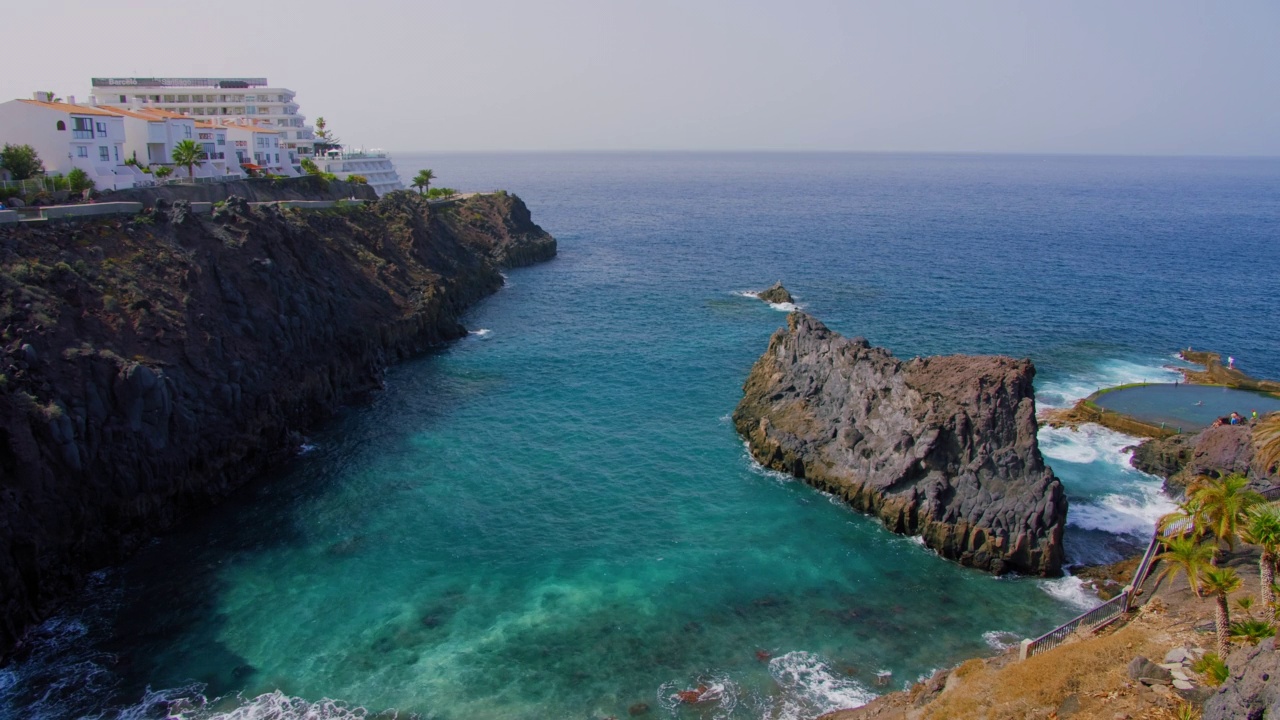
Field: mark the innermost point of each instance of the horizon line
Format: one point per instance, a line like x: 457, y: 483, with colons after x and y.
x: 782, y: 151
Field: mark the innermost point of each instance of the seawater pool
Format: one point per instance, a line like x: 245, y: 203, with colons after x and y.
x: 1190, y: 407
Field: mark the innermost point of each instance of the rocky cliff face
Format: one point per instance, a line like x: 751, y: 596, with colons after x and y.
x: 1250, y: 691
x: 148, y: 366
x: 943, y: 447
x: 1214, y: 451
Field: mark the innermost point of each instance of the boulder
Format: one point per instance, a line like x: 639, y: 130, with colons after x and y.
x: 1251, y: 691
x: 1147, y: 672
x: 941, y: 447
x: 776, y: 294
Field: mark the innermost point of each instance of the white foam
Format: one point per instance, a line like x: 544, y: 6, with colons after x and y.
x: 481, y: 334
x: 1086, y: 444
x: 1109, y: 373
x: 719, y: 700
x: 810, y: 688
x: 779, y: 477
x: 1122, y: 514
x: 1001, y: 640
x: 306, y: 448
x: 780, y: 307
x: 187, y: 703
x: 1070, y: 591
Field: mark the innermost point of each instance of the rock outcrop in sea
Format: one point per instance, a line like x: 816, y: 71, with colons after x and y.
x: 776, y: 294
x: 149, y: 365
x: 941, y: 447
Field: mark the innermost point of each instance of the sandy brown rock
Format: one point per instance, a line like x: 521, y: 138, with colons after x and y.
x: 942, y: 447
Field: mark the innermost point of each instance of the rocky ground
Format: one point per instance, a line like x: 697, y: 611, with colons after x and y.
x: 1133, y: 671
x: 941, y: 447
x: 149, y: 365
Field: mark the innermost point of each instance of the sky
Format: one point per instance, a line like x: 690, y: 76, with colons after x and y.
x: 1166, y: 77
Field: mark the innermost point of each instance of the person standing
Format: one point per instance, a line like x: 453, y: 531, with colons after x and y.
x: 1231, y: 362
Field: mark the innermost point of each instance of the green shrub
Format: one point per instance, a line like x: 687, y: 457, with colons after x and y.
x: 1212, y: 668
x: 78, y: 181
x: 358, y: 179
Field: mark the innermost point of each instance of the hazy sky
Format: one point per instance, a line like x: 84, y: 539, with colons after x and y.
x: 1160, y: 77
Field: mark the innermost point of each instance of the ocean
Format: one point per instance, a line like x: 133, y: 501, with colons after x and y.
x: 554, y: 518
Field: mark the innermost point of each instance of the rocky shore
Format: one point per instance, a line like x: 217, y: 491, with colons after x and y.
x: 150, y: 365
x: 941, y: 447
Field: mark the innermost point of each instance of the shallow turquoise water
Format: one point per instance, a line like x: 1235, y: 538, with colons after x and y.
x: 1186, y: 406
x: 554, y: 518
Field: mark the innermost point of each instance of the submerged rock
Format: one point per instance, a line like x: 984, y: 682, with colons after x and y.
x: 942, y: 447
x: 776, y: 294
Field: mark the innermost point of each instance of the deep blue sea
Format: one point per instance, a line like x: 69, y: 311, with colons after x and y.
x: 554, y: 518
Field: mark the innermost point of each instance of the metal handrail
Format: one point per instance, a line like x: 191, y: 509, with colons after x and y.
x: 1100, y: 616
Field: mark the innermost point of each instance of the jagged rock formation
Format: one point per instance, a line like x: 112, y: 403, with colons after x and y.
x: 776, y: 294
x: 150, y: 365
x: 1214, y: 452
x: 943, y: 447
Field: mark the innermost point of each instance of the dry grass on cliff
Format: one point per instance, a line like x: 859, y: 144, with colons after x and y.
x: 1093, y: 671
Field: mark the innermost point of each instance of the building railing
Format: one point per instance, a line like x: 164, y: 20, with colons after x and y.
x: 1101, y: 616
x: 82, y: 134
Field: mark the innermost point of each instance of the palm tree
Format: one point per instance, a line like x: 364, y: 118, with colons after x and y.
x: 423, y: 180
x: 1221, y: 582
x: 188, y: 154
x: 1263, y: 530
x: 1226, y: 502
x: 1266, y: 442
x: 1184, y: 554
x: 1188, y: 519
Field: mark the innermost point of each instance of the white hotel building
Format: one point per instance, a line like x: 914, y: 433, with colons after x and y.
x: 240, y: 102
x: 216, y: 99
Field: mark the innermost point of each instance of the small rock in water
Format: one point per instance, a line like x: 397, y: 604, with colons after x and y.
x: 776, y: 294
x: 638, y: 709
x: 763, y: 655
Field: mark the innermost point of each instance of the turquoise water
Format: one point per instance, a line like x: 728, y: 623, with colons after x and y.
x: 554, y: 518
x: 1187, y: 406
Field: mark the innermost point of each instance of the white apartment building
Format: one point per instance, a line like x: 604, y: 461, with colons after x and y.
x: 372, y: 165
x: 66, y: 136
x: 216, y: 98
x: 259, y: 147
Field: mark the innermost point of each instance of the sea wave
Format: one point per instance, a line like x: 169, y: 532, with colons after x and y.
x: 1085, y: 444
x: 481, y: 334
x: 1064, y: 393
x: 810, y: 687
x: 780, y: 307
x: 1122, y: 514
x: 1071, y: 591
x: 1001, y: 640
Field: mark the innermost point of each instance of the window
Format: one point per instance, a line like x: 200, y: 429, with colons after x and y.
x: 102, y: 128
x: 197, y: 98
x: 186, y: 131
x: 184, y: 98
x: 117, y: 153
x: 222, y: 140
x: 124, y: 99
x: 277, y: 158
x: 251, y: 98
x: 81, y: 128
x: 82, y: 151
x: 62, y: 126
x: 169, y: 98
x: 251, y: 110
x: 104, y: 153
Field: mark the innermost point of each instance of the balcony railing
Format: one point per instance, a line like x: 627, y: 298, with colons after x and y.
x: 82, y: 134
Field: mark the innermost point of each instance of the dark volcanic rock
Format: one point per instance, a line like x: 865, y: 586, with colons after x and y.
x: 1252, y: 690
x: 942, y: 447
x: 776, y: 294
x: 149, y: 366
x: 1214, y: 452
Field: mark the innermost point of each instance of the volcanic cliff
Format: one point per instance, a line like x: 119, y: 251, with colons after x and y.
x: 151, y: 364
x: 942, y: 447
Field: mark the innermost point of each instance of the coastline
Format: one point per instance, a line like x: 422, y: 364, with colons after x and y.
x: 146, y: 378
